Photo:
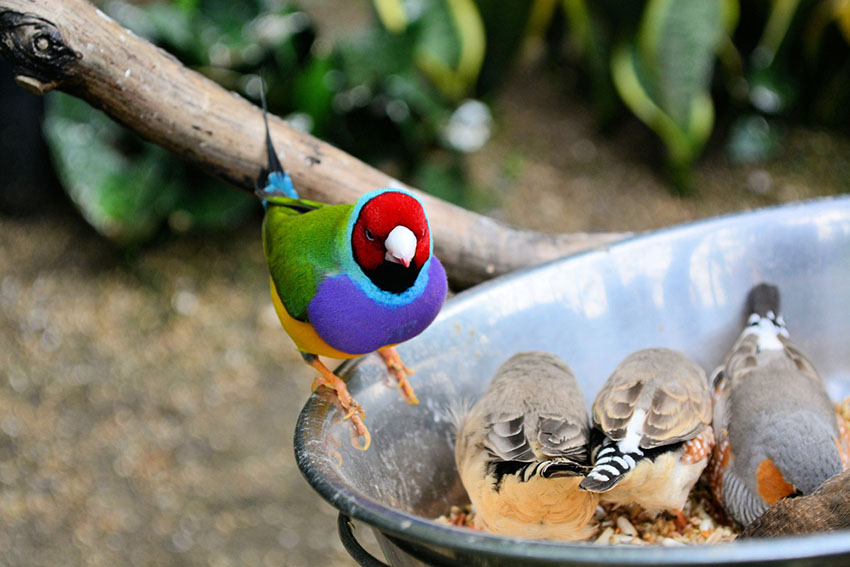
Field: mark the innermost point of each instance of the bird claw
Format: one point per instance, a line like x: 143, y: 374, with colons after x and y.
x: 353, y: 409
x: 345, y: 403
x: 358, y: 430
x: 400, y: 371
x: 342, y: 394
x: 407, y: 392
x: 354, y: 414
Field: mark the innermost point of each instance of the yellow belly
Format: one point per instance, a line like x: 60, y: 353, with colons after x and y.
x: 305, y: 336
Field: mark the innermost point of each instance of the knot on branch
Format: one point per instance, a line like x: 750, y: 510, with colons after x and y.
x: 34, y: 47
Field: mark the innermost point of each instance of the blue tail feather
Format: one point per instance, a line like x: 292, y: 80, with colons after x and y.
x: 279, y: 182
x: 273, y: 180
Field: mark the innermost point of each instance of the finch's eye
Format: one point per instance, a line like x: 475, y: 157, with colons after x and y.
x: 369, y: 235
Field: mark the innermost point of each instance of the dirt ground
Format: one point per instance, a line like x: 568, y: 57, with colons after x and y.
x: 148, y: 401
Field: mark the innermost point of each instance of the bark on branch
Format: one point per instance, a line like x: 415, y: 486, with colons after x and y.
x: 72, y: 46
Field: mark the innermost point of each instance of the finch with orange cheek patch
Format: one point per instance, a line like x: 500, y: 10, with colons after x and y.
x: 778, y: 433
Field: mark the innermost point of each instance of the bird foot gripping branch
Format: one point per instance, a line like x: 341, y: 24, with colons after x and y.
x: 347, y: 280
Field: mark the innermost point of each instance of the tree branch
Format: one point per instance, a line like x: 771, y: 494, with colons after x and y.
x: 72, y: 46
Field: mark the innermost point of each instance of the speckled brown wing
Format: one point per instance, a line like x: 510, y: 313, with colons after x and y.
x: 521, y: 452
x: 667, y: 385
x: 679, y: 410
x: 535, y: 410
x: 615, y: 404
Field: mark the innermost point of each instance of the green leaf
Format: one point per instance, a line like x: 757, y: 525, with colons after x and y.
x: 125, y: 187
x: 451, y: 44
x: 677, y: 42
x: 683, y: 142
x: 664, y: 77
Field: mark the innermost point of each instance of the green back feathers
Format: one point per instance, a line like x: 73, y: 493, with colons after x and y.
x: 304, y: 242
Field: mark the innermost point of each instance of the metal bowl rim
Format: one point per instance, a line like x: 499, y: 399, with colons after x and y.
x: 418, y: 530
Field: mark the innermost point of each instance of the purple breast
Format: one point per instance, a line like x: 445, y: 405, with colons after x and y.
x: 349, y: 320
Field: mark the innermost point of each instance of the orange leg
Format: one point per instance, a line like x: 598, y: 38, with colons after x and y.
x: 347, y: 404
x: 400, y: 371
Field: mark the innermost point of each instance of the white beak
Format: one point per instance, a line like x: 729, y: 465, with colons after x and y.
x: 401, y: 246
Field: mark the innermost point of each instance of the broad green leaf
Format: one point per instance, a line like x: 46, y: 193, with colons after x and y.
x: 451, y: 44
x: 677, y: 42
x: 125, y: 187
x: 683, y: 141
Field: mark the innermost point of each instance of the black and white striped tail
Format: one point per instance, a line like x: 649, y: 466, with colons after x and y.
x: 609, y: 467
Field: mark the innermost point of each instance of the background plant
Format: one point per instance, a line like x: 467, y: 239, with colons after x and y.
x: 683, y: 66
x: 409, y: 92
x: 393, y: 95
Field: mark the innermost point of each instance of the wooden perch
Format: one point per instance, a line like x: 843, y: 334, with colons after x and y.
x: 72, y: 46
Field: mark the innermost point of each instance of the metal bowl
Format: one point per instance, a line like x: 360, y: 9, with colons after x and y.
x: 682, y: 287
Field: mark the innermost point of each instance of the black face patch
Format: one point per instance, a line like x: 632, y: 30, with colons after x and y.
x: 392, y: 277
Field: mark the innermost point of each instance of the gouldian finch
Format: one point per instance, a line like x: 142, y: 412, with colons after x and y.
x: 652, y: 434
x: 827, y: 509
x: 521, y: 452
x: 778, y: 433
x: 347, y: 280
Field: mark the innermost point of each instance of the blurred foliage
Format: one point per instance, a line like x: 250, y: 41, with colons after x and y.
x: 126, y: 187
x: 392, y: 95
x: 671, y: 63
x: 406, y: 92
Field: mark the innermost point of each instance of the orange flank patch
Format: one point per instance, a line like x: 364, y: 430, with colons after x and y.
x: 771, y: 484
